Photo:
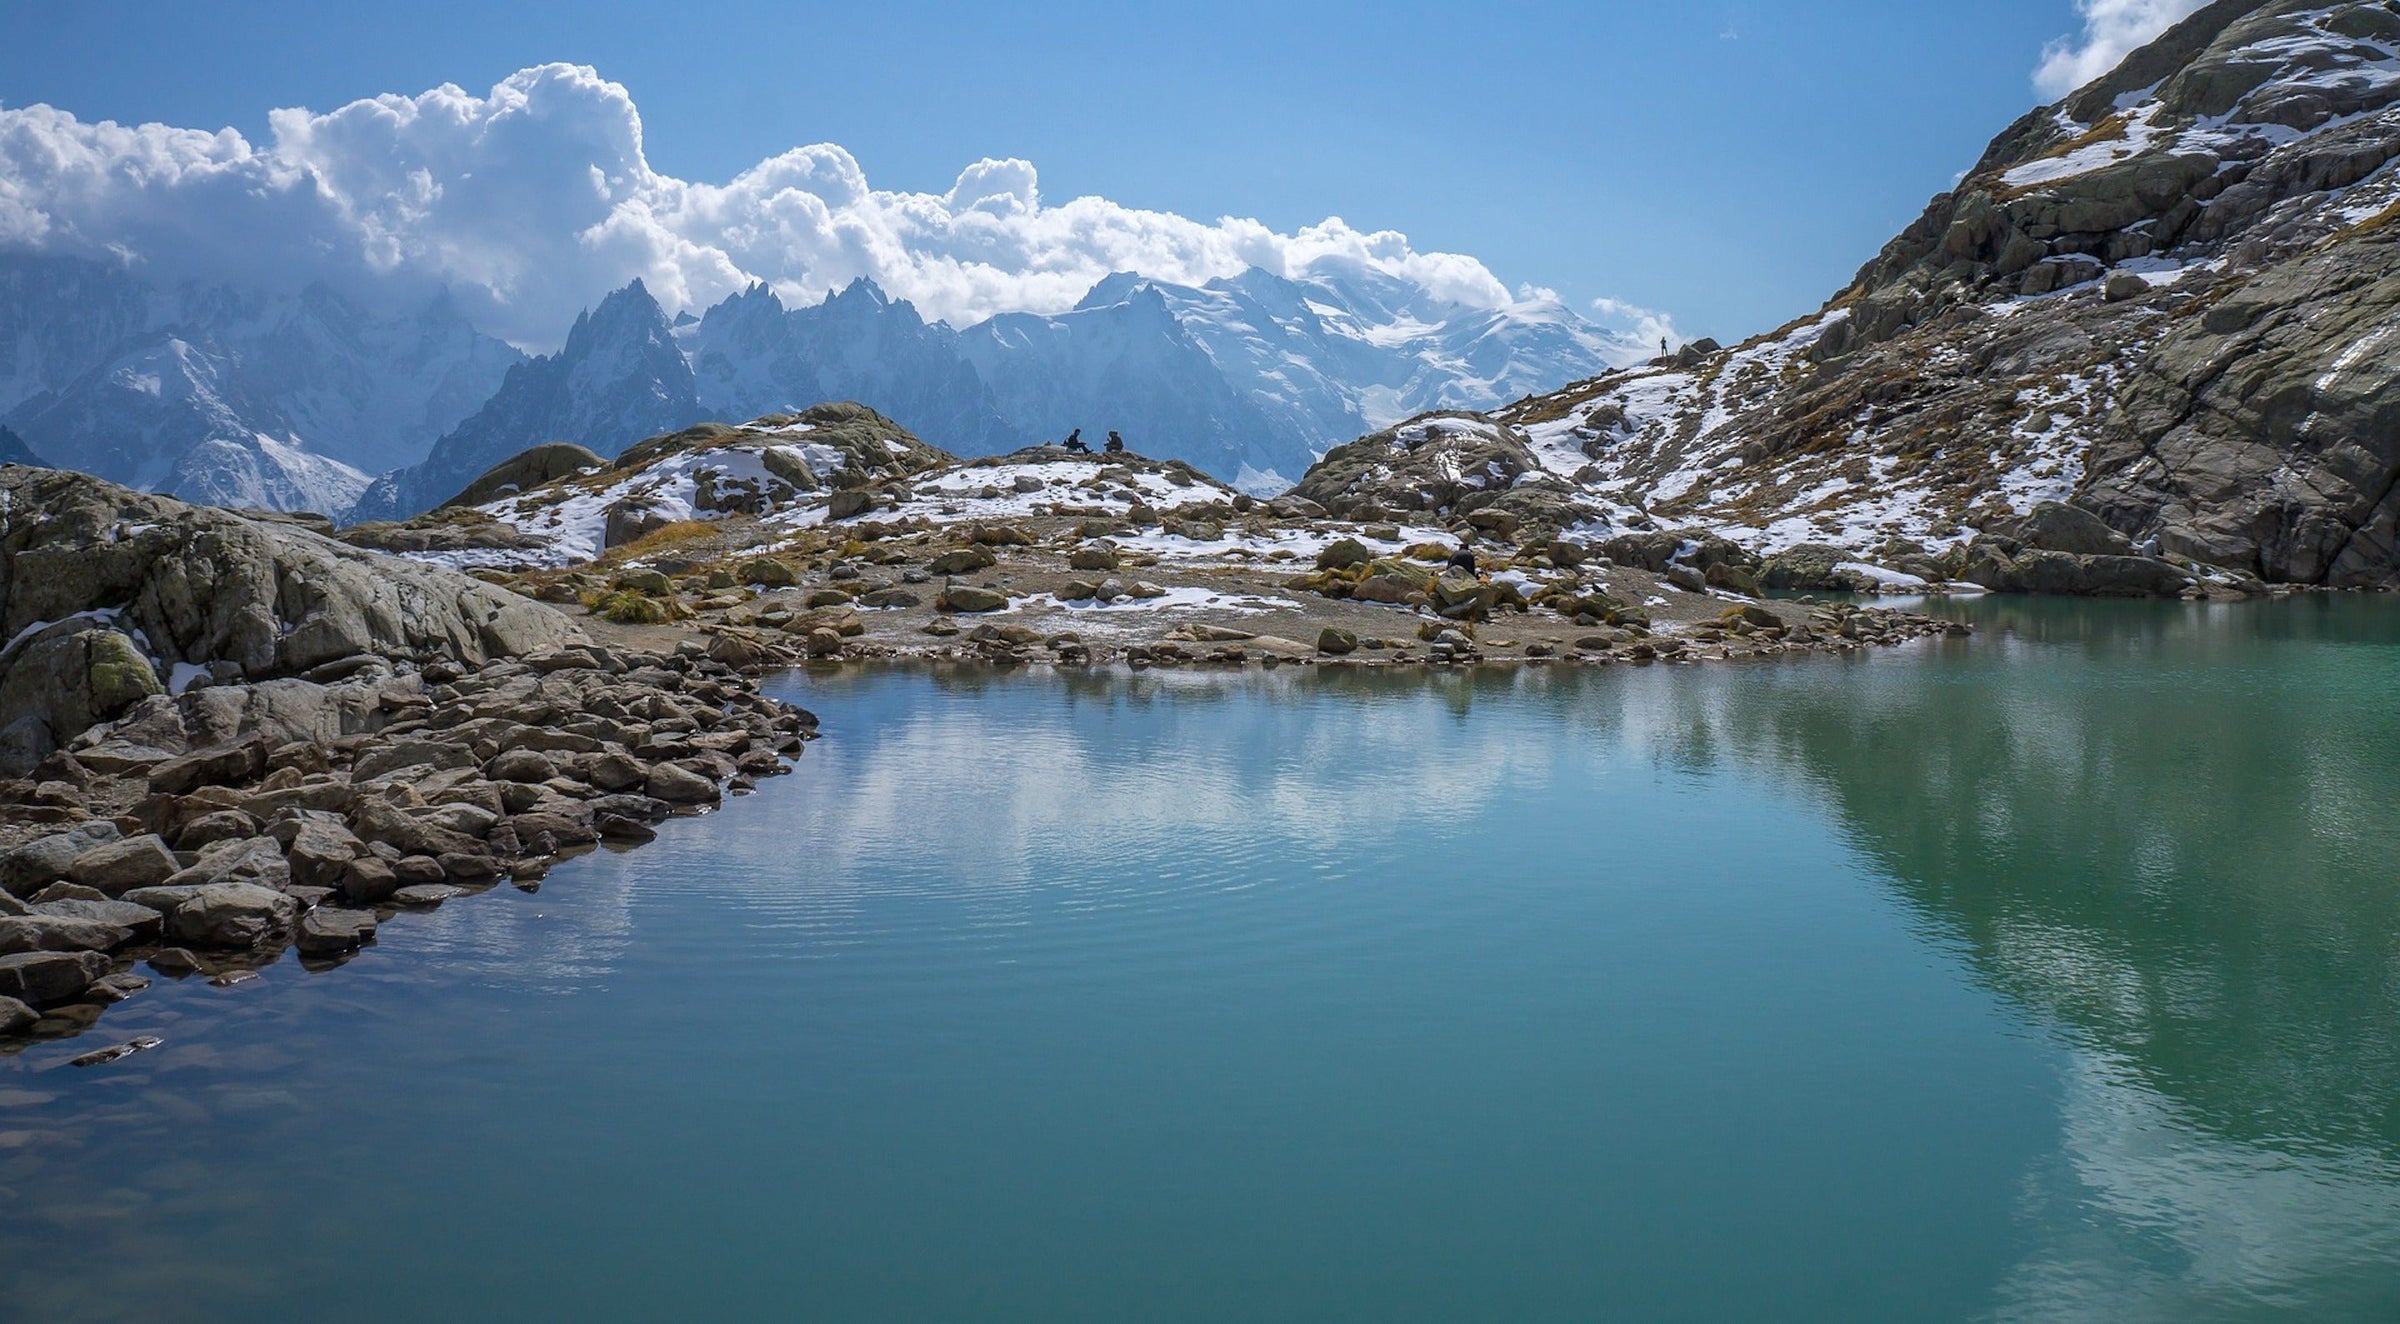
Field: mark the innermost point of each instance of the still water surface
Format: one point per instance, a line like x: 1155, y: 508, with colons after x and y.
x: 2051, y: 975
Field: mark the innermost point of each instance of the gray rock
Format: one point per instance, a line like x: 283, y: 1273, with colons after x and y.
x: 59, y: 933
x: 254, y: 860
x: 617, y: 771
x: 45, y: 860
x: 221, y: 914
x: 222, y: 825
x: 324, y: 931
x: 320, y: 854
x: 967, y: 598
x: 520, y: 765
x: 1344, y: 553
x: 140, y: 922
x: 680, y: 786
x: 426, y: 895
x: 16, y: 1017
x: 208, y: 585
x: 378, y: 820
x: 119, y: 866
x: 224, y: 765
x: 175, y: 962
x: 48, y: 979
x: 2054, y: 526
x: 369, y: 880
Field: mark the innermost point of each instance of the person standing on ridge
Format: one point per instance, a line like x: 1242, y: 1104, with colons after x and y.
x: 1116, y: 444
x: 1074, y: 442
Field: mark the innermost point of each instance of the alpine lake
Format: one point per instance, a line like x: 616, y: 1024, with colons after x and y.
x: 2051, y: 974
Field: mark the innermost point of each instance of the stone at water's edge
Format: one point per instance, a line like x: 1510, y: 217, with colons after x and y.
x: 117, y: 568
x: 46, y: 979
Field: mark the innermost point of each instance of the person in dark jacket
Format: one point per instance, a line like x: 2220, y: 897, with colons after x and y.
x: 1116, y: 444
x: 1074, y: 443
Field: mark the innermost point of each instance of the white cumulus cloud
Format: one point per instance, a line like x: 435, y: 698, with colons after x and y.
x: 530, y: 201
x: 2112, y: 30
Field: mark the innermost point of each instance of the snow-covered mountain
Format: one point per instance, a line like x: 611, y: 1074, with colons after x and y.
x: 751, y: 357
x: 1250, y: 377
x: 228, y: 396
x: 219, y: 394
x: 620, y: 377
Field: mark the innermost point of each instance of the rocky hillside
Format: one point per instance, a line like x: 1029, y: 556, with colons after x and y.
x: 110, y: 596
x: 559, y: 505
x: 2168, y: 301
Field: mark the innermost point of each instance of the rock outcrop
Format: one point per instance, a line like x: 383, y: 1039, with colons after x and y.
x: 109, y: 597
x: 2167, y: 300
x: 1461, y: 465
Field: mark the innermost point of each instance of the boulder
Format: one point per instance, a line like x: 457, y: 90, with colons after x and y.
x: 963, y: 561
x: 521, y: 765
x: 767, y: 572
x: 255, y: 860
x: 48, y: 979
x: 209, y: 586
x: 235, y: 914
x: 1093, y: 556
x: 139, y: 922
x: 1734, y: 579
x: 616, y: 771
x: 677, y: 785
x: 222, y: 765
x: 36, y: 864
x: 59, y: 933
x: 968, y: 599
x: 218, y: 825
x: 59, y: 682
x: 320, y: 854
x: 1336, y: 642
x: 1810, y: 567
x: 16, y: 1017
x: 120, y: 866
x: 369, y: 880
x: 2054, y: 526
x: 325, y: 931
x: 630, y: 521
x: 1344, y: 553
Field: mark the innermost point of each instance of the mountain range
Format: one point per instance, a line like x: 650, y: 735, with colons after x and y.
x: 311, y: 402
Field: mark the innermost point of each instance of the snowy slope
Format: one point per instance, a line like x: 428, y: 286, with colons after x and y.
x: 276, y: 401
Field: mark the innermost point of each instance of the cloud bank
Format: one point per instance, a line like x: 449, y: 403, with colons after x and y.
x: 2112, y: 30
x: 530, y: 201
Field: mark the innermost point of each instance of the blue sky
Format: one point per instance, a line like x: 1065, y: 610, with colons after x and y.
x: 1727, y: 161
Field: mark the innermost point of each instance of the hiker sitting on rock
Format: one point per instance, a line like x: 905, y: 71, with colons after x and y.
x: 1116, y: 444
x: 1463, y: 559
x: 1074, y: 442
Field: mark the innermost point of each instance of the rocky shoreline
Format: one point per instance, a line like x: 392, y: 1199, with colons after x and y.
x: 145, y: 849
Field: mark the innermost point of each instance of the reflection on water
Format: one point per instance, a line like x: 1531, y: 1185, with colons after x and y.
x: 2052, y: 974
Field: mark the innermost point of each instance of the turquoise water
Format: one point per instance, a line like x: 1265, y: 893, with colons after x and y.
x: 2049, y: 975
